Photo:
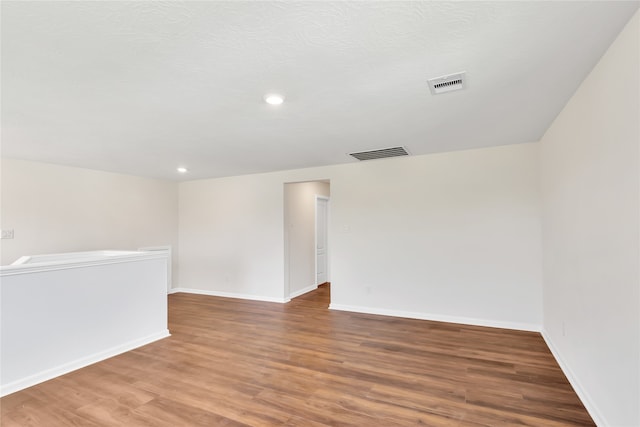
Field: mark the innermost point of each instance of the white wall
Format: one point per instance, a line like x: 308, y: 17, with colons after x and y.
x: 231, y: 230
x: 452, y: 236
x: 299, y: 240
x: 590, y: 185
x: 55, y: 209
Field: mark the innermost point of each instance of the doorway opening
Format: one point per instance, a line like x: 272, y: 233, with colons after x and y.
x: 306, y: 237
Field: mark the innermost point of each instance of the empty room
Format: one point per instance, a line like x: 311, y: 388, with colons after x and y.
x: 310, y: 213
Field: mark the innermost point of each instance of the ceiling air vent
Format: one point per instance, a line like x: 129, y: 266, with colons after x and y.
x: 448, y: 83
x: 380, y: 154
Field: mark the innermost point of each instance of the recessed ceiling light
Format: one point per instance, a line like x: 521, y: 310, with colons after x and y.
x: 274, y: 99
x: 182, y: 170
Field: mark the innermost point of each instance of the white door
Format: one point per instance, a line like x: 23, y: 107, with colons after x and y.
x: 321, y: 239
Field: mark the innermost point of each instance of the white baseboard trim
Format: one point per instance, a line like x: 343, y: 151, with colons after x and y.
x: 532, y: 327
x: 228, y: 295
x: 584, y: 396
x: 49, y: 374
x: 303, y: 291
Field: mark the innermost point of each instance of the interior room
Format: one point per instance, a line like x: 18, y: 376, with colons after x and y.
x: 301, y: 172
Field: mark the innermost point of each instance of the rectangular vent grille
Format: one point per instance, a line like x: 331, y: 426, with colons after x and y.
x: 447, y: 83
x: 380, y: 154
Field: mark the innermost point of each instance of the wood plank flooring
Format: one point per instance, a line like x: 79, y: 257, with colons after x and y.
x: 245, y: 363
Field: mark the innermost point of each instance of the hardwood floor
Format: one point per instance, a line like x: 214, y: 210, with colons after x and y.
x: 236, y: 363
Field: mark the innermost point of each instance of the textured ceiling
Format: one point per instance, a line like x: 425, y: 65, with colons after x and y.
x: 143, y: 87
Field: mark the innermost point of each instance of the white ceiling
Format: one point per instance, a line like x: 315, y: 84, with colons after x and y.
x: 143, y: 87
